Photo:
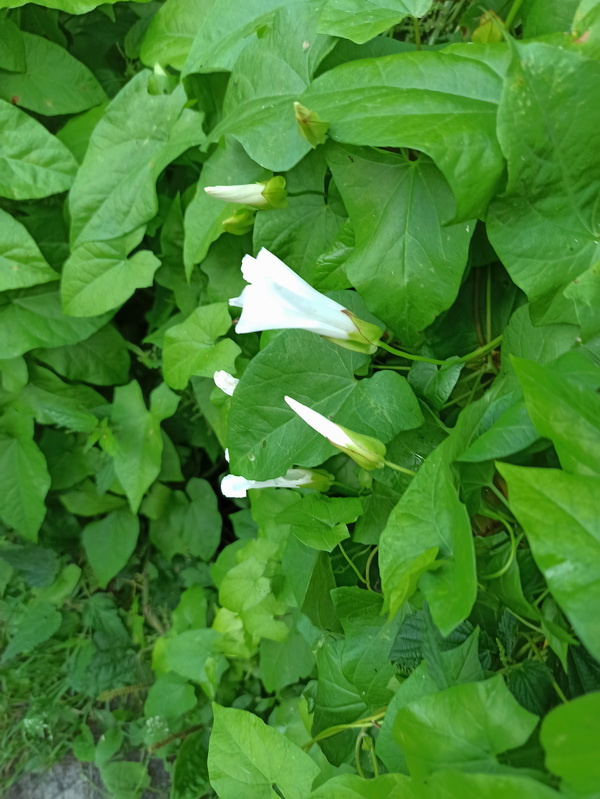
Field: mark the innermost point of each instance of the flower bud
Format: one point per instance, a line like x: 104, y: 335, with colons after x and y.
x: 240, y: 222
x: 311, y: 126
x: 367, y: 451
x: 270, y: 194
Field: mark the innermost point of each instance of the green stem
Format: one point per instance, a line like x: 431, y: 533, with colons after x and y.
x: 513, y: 548
x: 359, y: 768
x: 415, y: 23
x: 525, y: 622
x: 361, y: 724
x: 374, y: 763
x: 396, y: 368
x: 463, y: 359
x: 302, y: 193
x: 512, y: 13
x: 559, y: 692
x: 401, y: 469
x: 488, y: 305
x: 351, y: 564
x: 368, y: 567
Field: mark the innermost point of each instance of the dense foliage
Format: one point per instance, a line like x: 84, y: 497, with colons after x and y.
x: 422, y: 628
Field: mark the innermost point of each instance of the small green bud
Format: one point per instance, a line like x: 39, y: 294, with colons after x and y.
x: 311, y: 126
x: 241, y: 221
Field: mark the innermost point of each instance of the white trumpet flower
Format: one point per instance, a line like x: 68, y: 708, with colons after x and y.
x: 278, y: 299
x: 367, y: 451
x: 226, y: 382
x: 270, y: 194
x: 234, y: 486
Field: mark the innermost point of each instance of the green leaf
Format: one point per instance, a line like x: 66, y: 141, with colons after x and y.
x: 136, y: 431
x: 247, y: 758
x: 69, y: 6
x: 511, y: 432
x: 202, y: 523
x: 204, y: 216
x: 98, y: 276
x: 75, y: 133
x: 284, y: 663
x: 171, y: 32
x: 360, y: 20
x: 190, y: 774
x: 558, y: 512
x: 190, y: 613
x: 33, y: 162
x: 451, y: 784
x: 52, y: 401
x: 121, y: 778
x: 37, y: 565
x: 446, y: 665
x: 265, y: 438
x: 33, y: 317
x: 365, y: 659
x: 350, y: 786
x: 435, y: 732
x: 187, y: 653
x: 337, y: 701
x: 191, y: 348
x: 21, y: 262
x: 38, y: 623
x: 304, y: 230
x: 24, y: 478
x: 102, y: 359
x: 565, y: 412
x: 329, y: 272
x: 244, y: 586
x: 86, y: 501
x: 139, y: 135
x: 109, y: 543
x: 544, y: 228
x: 430, y: 519
x: 269, y: 75
x: 398, y: 100
x: 53, y: 83
x: 225, y: 31
x: 170, y: 696
x: 541, y: 17
x: 12, y: 49
x: 530, y: 682
x: 320, y: 522
x: 570, y: 735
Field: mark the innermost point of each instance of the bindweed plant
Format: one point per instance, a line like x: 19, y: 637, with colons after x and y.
x: 299, y: 411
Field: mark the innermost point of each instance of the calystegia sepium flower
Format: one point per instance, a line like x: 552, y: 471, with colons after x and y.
x: 270, y: 194
x: 368, y: 452
x: 278, y: 299
x: 234, y: 486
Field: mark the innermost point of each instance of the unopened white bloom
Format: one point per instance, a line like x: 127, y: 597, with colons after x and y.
x: 234, y: 486
x: 277, y: 299
x: 367, y: 451
x: 270, y: 194
x: 226, y: 382
x: 332, y: 431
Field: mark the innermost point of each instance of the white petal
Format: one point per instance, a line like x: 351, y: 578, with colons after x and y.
x: 226, y: 382
x: 278, y: 299
x: 321, y: 424
x: 245, y: 194
x: 234, y: 486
